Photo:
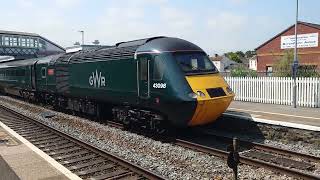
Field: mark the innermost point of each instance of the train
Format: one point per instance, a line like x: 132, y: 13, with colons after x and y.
x: 154, y: 83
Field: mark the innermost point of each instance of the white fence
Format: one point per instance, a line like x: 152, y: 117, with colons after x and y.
x: 276, y: 90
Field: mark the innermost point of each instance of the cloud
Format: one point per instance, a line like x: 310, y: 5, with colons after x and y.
x: 113, y: 21
x: 227, y: 21
x: 176, y: 18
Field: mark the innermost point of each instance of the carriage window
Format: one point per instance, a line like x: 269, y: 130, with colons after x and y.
x: 158, y: 69
x: 144, y: 69
x: 43, y: 72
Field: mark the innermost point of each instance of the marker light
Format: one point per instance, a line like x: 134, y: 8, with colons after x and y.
x: 229, y: 90
x: 193, y: 95
x: 201, y: 94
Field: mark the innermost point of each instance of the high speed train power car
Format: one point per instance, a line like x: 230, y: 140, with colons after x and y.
x: 155, y: 82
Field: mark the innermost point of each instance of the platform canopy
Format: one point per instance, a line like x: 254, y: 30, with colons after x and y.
x: 23, y: 45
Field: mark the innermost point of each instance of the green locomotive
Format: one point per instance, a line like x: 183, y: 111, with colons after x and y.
x: 152, y: 82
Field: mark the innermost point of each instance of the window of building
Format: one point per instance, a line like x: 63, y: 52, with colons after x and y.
x: 269, y: 71
x: 31, y: 43
x: 22, y: 42
x: 14, y: 41
x: 6, y: 41
x: 36, y: 43
x: 27, y: 42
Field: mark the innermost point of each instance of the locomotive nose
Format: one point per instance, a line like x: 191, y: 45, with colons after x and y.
x: 213, y: 97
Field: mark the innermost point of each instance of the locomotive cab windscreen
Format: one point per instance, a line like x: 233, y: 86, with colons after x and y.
x: 193, y: 63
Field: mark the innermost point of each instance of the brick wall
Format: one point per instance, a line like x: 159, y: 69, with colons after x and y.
x: 271, y: 51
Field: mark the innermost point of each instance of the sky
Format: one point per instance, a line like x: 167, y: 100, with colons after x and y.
x: 217, y: 26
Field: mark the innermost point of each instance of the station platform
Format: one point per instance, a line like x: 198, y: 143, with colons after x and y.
x: 19, y: 160
x: 300, y: 117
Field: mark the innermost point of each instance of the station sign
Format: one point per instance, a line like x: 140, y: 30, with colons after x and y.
x: 304, y: 41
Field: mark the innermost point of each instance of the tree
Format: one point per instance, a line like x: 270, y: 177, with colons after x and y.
x: 283, y: 66
x: 240, y: 54
x: 234, y: 57
x: 250, y: 54
x: 77, y: 43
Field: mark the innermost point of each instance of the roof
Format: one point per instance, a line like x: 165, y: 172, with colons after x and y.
x: 165, y: 44
x: 223, y: 59
x: 130, y: 49
x: 16, y: 62
x: 29, y: 34
x: 316, y: 26
x: 216, y: 58
x: 18, y: 33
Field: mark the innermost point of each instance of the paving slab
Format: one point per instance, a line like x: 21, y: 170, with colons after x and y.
x: 18, y: 161
x: 301, y: 116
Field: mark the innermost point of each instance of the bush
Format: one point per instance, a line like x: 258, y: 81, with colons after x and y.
x: 241, y: 71
x: 283, y: 67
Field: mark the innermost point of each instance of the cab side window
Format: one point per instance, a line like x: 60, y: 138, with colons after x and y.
x: 158, y: 69
x: 144, y: 69
x: 43, y: 72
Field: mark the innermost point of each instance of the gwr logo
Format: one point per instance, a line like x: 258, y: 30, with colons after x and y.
x: 97, y: 80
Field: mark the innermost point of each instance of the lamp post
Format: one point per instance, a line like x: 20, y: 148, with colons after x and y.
x: 295, y: 61
x: 82, y: 37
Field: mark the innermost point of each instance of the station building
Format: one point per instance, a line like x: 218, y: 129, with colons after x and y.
x: 23, y: 45
x: 308, y: 47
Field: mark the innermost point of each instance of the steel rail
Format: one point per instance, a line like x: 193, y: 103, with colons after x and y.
x: 127, y: 164
x: 265, y: 147
x: 246, y: 160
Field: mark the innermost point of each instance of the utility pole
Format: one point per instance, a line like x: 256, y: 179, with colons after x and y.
x: 82, y: 37
x: 295, y: 62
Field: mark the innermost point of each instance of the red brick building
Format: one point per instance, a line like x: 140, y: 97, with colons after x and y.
x: 308, y: 47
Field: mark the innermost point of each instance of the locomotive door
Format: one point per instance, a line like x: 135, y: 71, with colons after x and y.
x: 143, y: 76
x: 33, y: 76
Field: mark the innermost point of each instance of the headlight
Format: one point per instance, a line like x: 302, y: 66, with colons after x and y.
x: 193, y: 95
x: 229, y: 90
x: 201, y: 94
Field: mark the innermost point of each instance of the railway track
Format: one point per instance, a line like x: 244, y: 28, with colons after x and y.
x: 260, y: 155
x: 89, y: 162
x: 81, y: 158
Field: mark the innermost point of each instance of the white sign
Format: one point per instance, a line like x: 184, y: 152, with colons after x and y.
x: 304, y: 41
x: 97, y: 80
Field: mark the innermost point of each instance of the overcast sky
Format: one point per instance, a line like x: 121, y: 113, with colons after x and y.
x: 217, y: 26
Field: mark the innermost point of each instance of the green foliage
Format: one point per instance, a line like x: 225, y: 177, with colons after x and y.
x: 250, y: 54
x: 234, y: 57
x: 308, y: 71
x: 252, y: 73
x: 283, y: 67
x: 241, y: 71
x: 240, y: 54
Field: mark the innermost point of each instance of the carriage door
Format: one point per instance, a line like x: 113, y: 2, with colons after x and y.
x: 44, y: 77
x: 144, y: 76
x: 33, y: 76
